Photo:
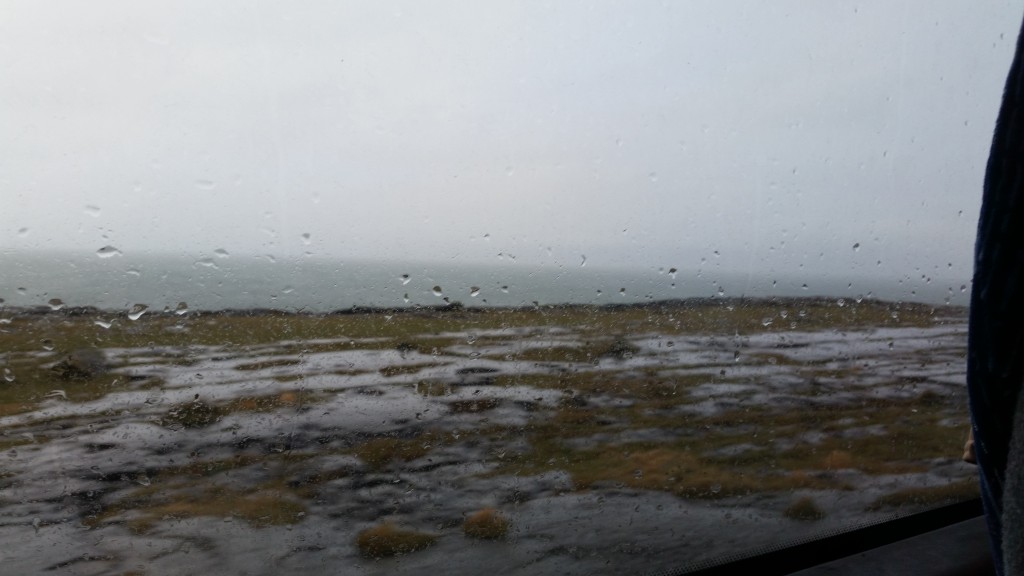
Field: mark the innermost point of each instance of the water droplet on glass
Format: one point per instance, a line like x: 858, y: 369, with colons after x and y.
x: 206, y: 184
x: 622, y: 291
x: 716, y: 488
x: 136, y: 311
x: 856, y: 247
x: 672, y: 272
x: 206, y: 263
x: 721, y: 291
x: 22, y: 291
x: 803, y: 286
x: 583, y: 260
x: 55, y: 304
x: 405, y: 297
x: 766, y: 322
x: 8, y: 375
x: 92, y: 210
x: 22, y: 232
x: 437, y: 291
x: 504, y: 289
x: 474, y: 291
x: 653, y: 176
x: 103, y: 324
x: 306, y: 238
x: 108, y: 251
x: 221, y: 253
x: 509, y: 171
x: 181, y: 309
x: 963, y: 288
x: 133, y: 272
x: 47, y: 344
x: 841, y: 302
x: 405, y: 279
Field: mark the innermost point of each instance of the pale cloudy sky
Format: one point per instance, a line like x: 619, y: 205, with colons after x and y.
x: 768, y: 136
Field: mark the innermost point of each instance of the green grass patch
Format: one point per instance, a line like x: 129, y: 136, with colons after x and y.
x: 386, y: 540
x: 804, y: 509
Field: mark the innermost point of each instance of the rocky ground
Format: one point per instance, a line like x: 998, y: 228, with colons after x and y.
x: 591, y: 440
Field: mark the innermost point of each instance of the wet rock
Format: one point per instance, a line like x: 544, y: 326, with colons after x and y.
x: 82, y: 364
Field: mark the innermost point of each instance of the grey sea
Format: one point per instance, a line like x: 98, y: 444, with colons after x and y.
x: 110, y: 280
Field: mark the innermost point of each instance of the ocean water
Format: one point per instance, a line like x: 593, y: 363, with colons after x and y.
x: 117, y: 282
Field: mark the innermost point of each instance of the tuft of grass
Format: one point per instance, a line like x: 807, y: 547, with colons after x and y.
x: 195, y: 414
x: 258, y: 508
x: 473, y: 406
x: 264, y: 364
x: 838, y: 459
x: 805, y: 509
x: 620, y: 349
x: 929, y: 495
x: 392, y: 371
x: 486, y: 524
x: 379, y: 452
x: 385, y: 540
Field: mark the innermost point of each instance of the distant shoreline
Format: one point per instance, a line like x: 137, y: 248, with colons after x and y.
x: 453, y: 307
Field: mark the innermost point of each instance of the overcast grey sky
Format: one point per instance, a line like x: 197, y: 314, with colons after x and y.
x: 775, y: 134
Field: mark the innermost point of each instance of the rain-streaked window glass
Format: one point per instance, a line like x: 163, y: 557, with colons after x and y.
x: 519, y: 288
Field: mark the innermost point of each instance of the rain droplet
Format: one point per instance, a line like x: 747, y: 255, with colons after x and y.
x: 133, y: 272
x: 8, y: 375
x: 22, y: 232
x: 841, y: 302
x: 108, y: 251
x: 405, y: 279
x: 766, y: 322
x: 721, y: 291
x: 206, y: 263
x: 103, y: 323
x: 47, y: 344
x: 92, y: 210
x: 622, y: 291
x: 474, y: 291
x: 856, y: 247
x: 306, y: 238
x: 181, y: 309
x: 437, y: 291
x: 672, y: 272
x: 206, y: 184
x: 583, y: 260
x: 653, y: 176
x: 56, y: 304
x: 504, y: 289
x: 803, y: 286
x: 136, y: 311
x: 405, y: 297
x: 963, y: 288
x: 221, y: 253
